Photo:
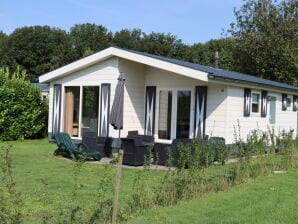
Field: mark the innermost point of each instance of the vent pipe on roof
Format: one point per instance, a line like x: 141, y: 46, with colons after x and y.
x: 216, y: 59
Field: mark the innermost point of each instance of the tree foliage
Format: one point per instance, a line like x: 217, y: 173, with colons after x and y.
x: 89, y: 38
x: 22, y: 111
x: 204, y: 53
x: 129, y: 39
x: 38, y: 49
x: 266, y: 40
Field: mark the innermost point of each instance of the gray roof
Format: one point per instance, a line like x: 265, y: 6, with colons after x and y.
x: 220, y: 73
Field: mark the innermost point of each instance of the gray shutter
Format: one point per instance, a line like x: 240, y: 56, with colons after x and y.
x: 247, y: 102
x: 295, y: 103
x: 200, y: 111
x: 56, y: 118
x: 104, y: 109
x: 284, y: 102
x: 264, y: 103
x: 150, y: 110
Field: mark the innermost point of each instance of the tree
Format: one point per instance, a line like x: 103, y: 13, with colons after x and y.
x: 39, y: 49
x: 165, y: 45
x: 204, y: 53
x: 266, y: 40
x: 23, y: 113
x: 6, y: 57
x: 129, y: 39
x: 89, y: 38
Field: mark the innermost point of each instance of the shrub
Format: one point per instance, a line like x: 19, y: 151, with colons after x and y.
x: 23, y: 113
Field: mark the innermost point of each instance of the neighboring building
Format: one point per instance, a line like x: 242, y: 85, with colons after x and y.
x: 44, y: 89
x: 166, y: 98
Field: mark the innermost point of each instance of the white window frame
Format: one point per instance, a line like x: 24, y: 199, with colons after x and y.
x: 174, y: 112
x: 259, y: 103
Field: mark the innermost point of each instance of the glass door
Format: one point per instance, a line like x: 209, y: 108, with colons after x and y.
x: 272, y: 108
x: 174, y: 120
x: 89, y: 121
x: 183, y: 114
x: 165, y: 114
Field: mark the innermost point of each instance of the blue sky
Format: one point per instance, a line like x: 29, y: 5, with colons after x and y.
x: 192, y: 21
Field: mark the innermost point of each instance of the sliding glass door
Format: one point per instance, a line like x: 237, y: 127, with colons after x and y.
x: 174, y: 114
x: 165, y: 114
x: 183, y: 114
x: 81, y: 109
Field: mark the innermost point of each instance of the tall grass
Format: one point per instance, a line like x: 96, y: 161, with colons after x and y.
x: 10, y: 200
x: 196, y: 174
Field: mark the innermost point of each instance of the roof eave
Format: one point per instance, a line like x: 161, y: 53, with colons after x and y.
x: 112, y: 51
x: 226, y: 79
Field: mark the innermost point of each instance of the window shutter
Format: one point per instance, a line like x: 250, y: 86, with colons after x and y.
x: 56, y: 118
x: 264, y: 103
x: 284, y: 102
x: 104, y: 109
x: 200, y: 111
x: 247, y: 102
x: 150, y: 110
x: 295, y: 103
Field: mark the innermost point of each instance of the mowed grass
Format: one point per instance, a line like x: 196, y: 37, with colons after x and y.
x: 272, y: 200
x: 46, y: 182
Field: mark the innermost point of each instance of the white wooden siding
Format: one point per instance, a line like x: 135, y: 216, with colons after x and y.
x: 104, y: 72
x: 134, y: 96
x: 284, y: 119
x: 216, y: 110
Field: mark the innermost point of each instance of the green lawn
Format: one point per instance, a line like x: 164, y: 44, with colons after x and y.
x: 271, y: 200
x: 46, y: 184
x: 34, y: 164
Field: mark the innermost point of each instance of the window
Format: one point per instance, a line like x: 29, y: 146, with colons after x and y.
x: 255, y: 103
x: 165, y: 114
x: 289, y: 102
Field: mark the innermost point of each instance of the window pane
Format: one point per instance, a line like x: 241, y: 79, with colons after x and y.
x: 90, y: 108
x: 165, y: 114
x: 72, y: 109
x: 255, y: 98
x: 289, y: 102
x: 255, y: 103
x: 255, y: 108
x: 183, y: 114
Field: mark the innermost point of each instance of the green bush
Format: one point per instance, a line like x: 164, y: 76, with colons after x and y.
x: 23, y: 113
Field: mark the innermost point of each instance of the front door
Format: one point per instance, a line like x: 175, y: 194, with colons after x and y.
x: 272, y: 114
